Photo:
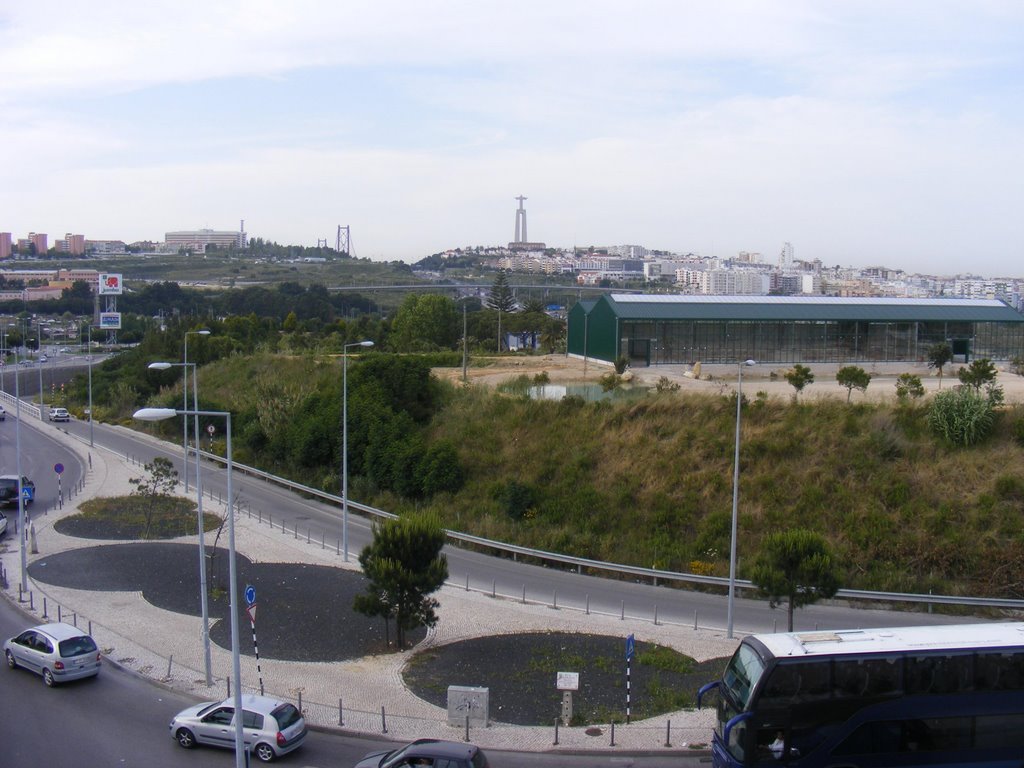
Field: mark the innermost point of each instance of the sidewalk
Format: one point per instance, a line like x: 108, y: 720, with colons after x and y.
x: 167, y: 646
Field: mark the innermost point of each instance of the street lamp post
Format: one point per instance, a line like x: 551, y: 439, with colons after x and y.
x: 735, y: 498
x: 160, y: 414
x: 89, y: 327
x: 184, y: 399
x: 344, y: 440
x: 39, y: 363
x: 21, y: 490
x: 199, y: 513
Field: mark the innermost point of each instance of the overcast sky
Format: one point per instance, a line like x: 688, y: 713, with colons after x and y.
x: 864, y: 133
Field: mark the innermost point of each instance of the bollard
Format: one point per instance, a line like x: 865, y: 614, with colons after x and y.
x: 229, y: 686
x: 323, y: 540
x: 270, y: 520
x: 169, y: 662
x: 467, y: 582
x: 588, y: 605
x: 300, y: 700
x: 259, y: 516
x: 467, y: 727
x: 337, y: 547
x: 31, y: 607
x: 308, y: 530
x: 20, y: 598
x: 295, y: 535
x: 383, y: 720
x: 341, y: 716
x: 668, y: 734
x: 655, y: 614
x: 282, y: 527
x: 74, y: 618
x: 494, y: 586
x: 694, y: 619
x: 59, y: 619
x: 556, y: 731
x: 622, y: 611
x: 90, y: 626
x: 524, y: 594
x: 613, y: 734
x: 554, y: 599
x: 44, y: 610
x: 775, y: 626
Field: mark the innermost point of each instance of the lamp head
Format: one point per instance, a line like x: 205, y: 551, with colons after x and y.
x: 159, y: 366
x: 203, y: 332
x: 749, y: 362
x: 366, y: 343
x: 154, y: 414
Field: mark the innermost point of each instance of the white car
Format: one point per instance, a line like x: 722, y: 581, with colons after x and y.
x: 3, y: 523
x: 59, y: 652
x: 270, y: 727
x: 59, y: 414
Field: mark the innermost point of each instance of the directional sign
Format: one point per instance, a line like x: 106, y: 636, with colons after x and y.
x: 630, y: 647
x: 58, y: 468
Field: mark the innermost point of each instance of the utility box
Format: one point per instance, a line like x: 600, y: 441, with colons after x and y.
x: 468, y: 700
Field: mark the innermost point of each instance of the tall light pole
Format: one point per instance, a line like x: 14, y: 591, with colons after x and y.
x: 735, y: 498
x: 21, y: 490
x: 184, y: 398
x: 39, y: 362
x: 344, y: 441
x: 160, y: 414
x: 89, y: 327
x: 199, y: 513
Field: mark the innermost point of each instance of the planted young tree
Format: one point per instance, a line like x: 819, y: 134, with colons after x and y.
x: 799, y: 376
x: 978, y: 373
x: 909, y: 387
x: 153, y: 490
x: 404, y: 566
x: 853, y: 377
x: 938, y: 355
x: 795, y: 566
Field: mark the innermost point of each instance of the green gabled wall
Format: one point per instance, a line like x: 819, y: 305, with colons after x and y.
x: 596, y: 324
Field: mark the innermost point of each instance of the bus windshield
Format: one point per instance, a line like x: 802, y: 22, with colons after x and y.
x: 742, y: 675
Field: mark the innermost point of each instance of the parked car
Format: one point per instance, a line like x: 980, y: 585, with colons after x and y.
x: 3, y: 523
x: 9, y: 490
x: 59, y: 652
x: 43, y: 358
x: 3, y: 414
x: 270, y: 727
x: 453, y: 754
x: 59, y: 414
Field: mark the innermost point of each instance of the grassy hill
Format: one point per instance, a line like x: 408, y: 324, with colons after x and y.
x: 650, y: 483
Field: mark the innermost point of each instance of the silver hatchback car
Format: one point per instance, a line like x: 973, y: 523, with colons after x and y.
x: 58, y: 652
x: 270, y: 727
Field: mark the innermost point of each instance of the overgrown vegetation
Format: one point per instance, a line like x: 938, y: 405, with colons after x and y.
x: 127, y: 517
x: 644, y: 482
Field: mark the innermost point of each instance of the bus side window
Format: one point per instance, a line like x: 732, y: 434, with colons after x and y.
x: 940, y: 674
x: 999, y: 671
x: 782, y: 685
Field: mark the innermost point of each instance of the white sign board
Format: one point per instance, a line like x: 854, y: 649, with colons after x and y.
x: 568, y: 681
x: 110, y: 285
x: 110, y: 321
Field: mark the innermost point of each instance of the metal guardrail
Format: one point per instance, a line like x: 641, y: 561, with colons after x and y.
x: 653, y: 574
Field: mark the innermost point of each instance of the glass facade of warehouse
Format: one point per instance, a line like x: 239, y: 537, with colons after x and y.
x: 672, y: 330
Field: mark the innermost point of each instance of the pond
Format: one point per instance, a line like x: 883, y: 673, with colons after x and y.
x: 589, y: 391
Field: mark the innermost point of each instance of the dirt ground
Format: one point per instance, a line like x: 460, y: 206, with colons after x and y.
x: 718, y: 379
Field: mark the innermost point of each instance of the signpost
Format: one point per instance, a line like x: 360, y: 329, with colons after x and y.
x: 59, y: 469
x: 250, y: 609
x: 567, y: 682
x: 210, y: 430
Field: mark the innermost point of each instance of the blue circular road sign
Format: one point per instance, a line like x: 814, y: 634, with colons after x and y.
x: 58, y: 468
x: 250, y: 594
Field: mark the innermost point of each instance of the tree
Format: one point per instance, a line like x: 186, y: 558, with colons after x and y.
x: 500, y: 297
x: 425, y: 322
x: 796, y: 566
x: 979, y: 373
x: 163, y: 478
x: 937, y: 356
x: 909, y: 386
x: 853, y: 377
x: 799, y: 376
x: 404, y: 566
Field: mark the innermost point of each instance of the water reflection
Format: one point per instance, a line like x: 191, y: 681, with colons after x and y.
x: 590, y: 392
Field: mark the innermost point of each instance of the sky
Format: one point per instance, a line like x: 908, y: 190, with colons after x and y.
x: 864, y: 133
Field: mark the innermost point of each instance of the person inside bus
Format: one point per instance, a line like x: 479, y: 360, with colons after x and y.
x: 778, y: 747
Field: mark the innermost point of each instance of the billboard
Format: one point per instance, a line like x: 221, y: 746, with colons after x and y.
x: 110, y: 321
x: 110, y: 285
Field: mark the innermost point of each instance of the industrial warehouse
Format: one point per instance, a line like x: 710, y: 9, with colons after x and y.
x: 672, y: 330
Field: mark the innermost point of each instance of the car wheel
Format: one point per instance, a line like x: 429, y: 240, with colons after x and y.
x: 10, y: 660
x: 48, y: 678
x: 264, y: 752
x: 185, y: 738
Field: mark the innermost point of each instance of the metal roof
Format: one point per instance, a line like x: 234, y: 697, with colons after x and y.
x: 809, y: 308
x: 889, y: 639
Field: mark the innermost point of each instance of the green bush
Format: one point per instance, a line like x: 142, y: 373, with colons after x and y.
x: 961, y: 416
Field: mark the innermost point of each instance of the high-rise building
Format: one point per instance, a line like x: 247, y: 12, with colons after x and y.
x: 38, y: 239
x: 72, y: 244
x: 5, y: 245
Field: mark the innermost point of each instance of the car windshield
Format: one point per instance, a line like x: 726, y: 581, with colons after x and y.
x: 76, y: 646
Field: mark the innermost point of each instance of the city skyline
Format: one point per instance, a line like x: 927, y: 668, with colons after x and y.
x: 864, y: 133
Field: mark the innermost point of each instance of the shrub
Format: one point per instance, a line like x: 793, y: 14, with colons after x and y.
x: 610, y: 381
x: 909, y: 387
x: 621, y: 364
x: 665, y: 384
x: 961, y: 416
